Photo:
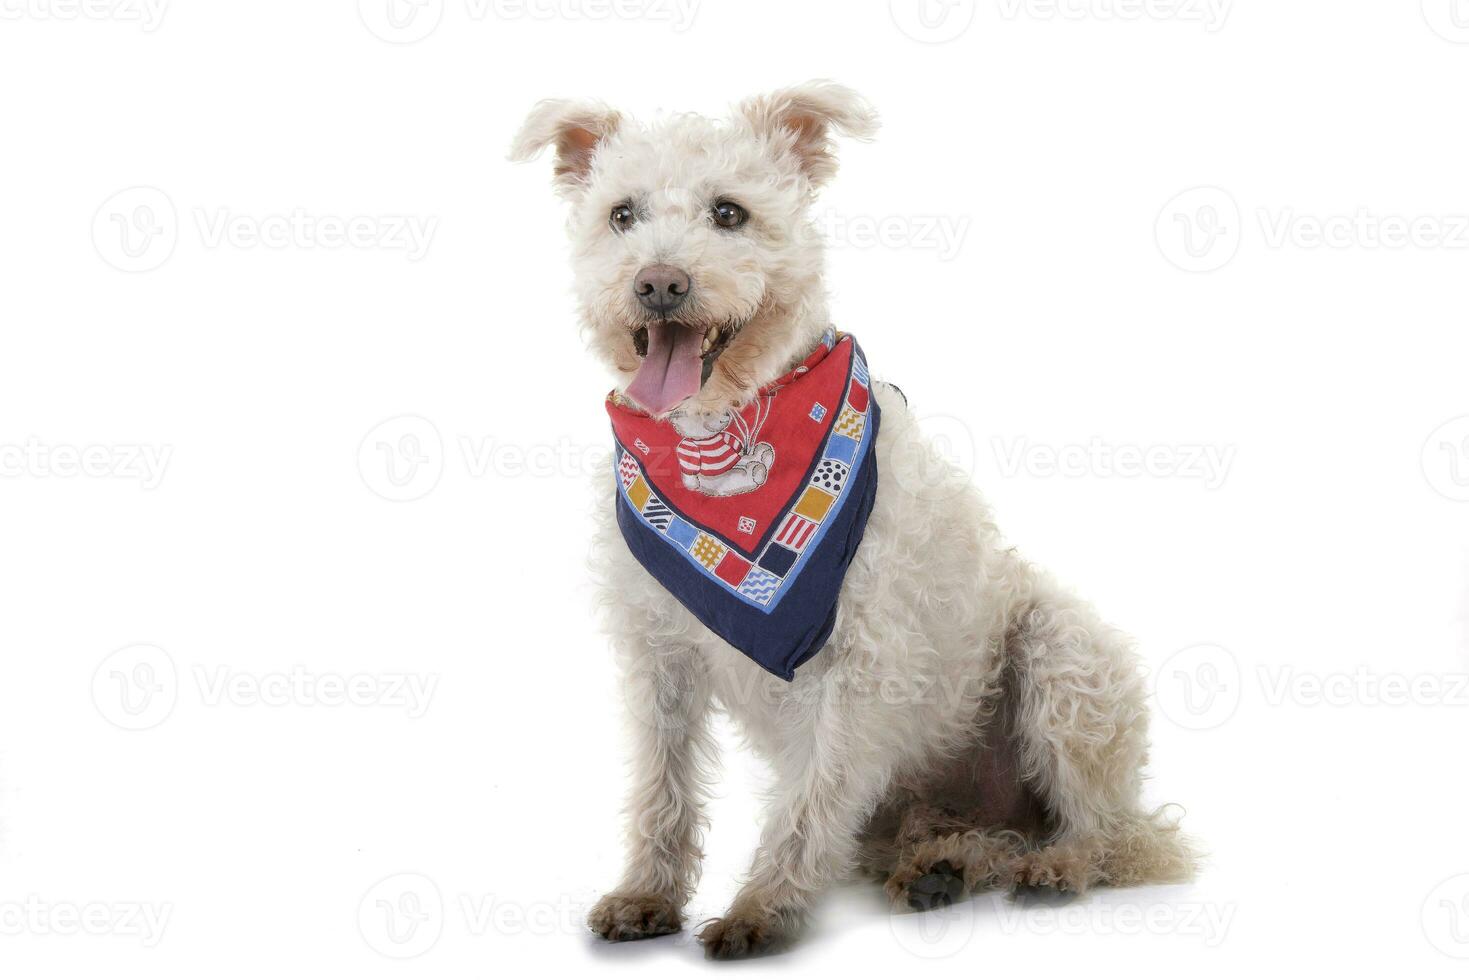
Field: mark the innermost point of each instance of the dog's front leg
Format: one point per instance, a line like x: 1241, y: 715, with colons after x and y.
x: 667, y: 699
x: 830, y: 787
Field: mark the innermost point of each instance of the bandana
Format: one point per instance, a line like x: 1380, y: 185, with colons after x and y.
x: 751, y: 517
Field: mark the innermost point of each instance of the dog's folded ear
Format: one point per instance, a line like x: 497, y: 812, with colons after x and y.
x: 575, y: 128
x: 804, y: 118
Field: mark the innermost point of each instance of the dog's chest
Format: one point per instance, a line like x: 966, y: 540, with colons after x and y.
x: 766, y: 710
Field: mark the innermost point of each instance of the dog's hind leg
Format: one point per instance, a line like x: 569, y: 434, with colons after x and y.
x: 962, y: 826
x: 1081, y: 724
x: 1140, y: 850
x: 942, y: 858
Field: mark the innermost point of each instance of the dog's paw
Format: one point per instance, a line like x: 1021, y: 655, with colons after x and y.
x: 741, y: 935
x: 620, y: 918
x: 940, y: 887
x: 1056, y: 867
x: 922, y: 888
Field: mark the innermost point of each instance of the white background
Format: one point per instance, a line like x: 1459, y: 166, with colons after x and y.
x: 1040, y: 290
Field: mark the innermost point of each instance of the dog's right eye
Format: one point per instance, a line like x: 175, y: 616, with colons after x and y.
x: 622, y: 218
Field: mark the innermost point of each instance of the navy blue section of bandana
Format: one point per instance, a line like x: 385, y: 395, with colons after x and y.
x: 782, y: 638
x: 776, y: 604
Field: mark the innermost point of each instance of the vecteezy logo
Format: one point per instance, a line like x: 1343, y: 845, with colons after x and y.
x: 1448, y: 18
x: 1199, y: 687
x: 1199, y: 230
x: 136, y: 687
x: 401, y: 916
x: 938, y: 467
x: 938, y: 933
x: 401, y: 21
x: 401, y: 459
x: 1446, y: 459
x: 136, y: 229
x: 1446, y: 917
x: 932, y: 21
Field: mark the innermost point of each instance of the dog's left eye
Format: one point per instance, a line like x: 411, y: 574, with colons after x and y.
x: 728, y: 214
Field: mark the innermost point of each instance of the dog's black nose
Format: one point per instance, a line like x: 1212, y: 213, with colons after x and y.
x: 661, y: 288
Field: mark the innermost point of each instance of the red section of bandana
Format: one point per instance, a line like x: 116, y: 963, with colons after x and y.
x: 732, y: 568
x: 793, y: 417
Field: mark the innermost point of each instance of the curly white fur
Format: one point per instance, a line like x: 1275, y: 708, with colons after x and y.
x: 937, y: 617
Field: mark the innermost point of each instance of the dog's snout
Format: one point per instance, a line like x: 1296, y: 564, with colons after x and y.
x: 661, y: 288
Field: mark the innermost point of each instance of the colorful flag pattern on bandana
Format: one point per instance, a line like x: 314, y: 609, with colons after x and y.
x: 750, y: 518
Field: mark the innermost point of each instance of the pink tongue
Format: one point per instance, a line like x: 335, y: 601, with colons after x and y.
x: 671, y: 370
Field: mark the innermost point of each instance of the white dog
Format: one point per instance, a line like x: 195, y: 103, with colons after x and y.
x: 967, y: 724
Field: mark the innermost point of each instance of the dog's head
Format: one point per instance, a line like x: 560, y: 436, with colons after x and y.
x: 698, y: 272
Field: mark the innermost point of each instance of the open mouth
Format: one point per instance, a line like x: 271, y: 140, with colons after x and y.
x: 677, y: 359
